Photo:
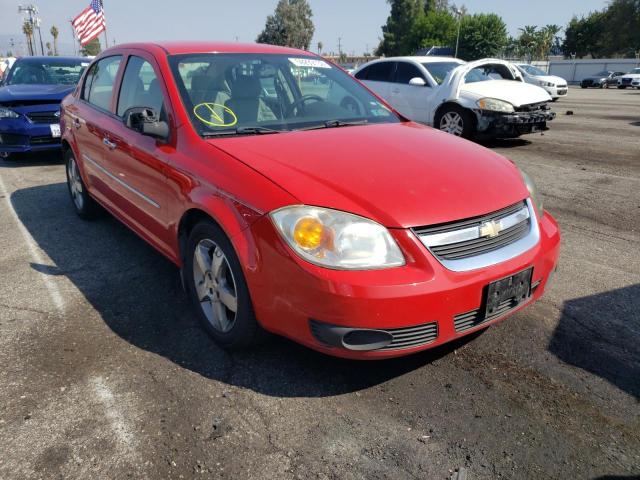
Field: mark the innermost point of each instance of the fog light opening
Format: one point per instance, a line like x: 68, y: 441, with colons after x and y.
x: 363, y: 340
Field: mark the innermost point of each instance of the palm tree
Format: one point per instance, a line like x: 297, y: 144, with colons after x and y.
x: 54, y: 34
x: 529, y: 39
x: 27, y: 29
x: 320, y: 47
x: 548, y: 36
x: 48, y: 45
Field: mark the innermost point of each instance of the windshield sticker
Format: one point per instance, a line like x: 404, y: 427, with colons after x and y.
x: 309, y: 63
x: 213, y: 115
x: 84, y: 64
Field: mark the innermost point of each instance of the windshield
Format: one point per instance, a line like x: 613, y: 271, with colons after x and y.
x: 531, y: 70
x: 233, y: 93
x: 635, y: 71
x: 439, y: 70
x: 54, y: 71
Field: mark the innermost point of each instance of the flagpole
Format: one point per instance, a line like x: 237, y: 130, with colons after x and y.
x: 73, y: 38
x: 106, y: 41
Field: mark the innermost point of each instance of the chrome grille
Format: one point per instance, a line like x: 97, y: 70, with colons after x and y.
x: 412, y: 336
x: 43, y: 117
x: 467, y: 238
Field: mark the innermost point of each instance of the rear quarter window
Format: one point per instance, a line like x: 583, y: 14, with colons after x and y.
x: 378, y: 72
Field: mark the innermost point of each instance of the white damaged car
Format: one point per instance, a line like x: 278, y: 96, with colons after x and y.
x: 631, y: 79
x: 483, y: 98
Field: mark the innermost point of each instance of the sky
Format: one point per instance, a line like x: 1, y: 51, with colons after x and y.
x: 356, y: 22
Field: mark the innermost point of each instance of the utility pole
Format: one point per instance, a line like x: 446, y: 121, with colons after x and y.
x: 459, y: 13
x: 340, y: 46
x: 32, y: 10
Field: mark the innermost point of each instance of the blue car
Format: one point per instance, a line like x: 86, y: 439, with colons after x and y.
x: 30, y: 96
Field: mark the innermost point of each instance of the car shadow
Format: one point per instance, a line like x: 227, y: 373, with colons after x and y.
x: 138, y: 294
x: 503, y: 142
x: 17, y: 160
x: 635, y: 124
x: 601, y: 334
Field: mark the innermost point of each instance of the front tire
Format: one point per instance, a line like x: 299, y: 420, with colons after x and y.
x: 85, y: 206
x: 217, y: 288
x: 456, y: 121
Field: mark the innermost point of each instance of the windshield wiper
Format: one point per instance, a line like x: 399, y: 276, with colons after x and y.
x: 242, y: 131
x: 335, y: 124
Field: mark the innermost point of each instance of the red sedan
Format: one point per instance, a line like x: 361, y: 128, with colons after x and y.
x: 297, y: 202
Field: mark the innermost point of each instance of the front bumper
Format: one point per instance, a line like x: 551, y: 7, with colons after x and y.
x: 557, y: 91
x: 19, y: 135
x: 509, y: 125
x: 292, y: 297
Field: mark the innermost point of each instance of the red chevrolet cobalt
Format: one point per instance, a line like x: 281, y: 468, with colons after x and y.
x: 296, y: 201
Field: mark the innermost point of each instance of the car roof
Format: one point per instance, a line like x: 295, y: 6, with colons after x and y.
x: 41, y: 59
x: 424, y: 59
x: 177, y: 48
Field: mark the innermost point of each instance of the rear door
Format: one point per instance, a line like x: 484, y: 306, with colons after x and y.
x: 378, y: 77
x: 87, y: 122
x: 410, y: 100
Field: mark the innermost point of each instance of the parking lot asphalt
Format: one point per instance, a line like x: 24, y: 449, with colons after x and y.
x: 106, y: 374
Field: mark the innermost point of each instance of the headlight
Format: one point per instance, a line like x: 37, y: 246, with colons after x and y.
x: 533, y: 192
x: 6, y: 113
x: 335, y: 239
x: 546, y: 84
x: 495, y: 105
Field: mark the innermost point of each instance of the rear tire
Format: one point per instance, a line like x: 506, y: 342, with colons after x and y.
x: 218, y: 290
x: 85, y: 206
x: 456, y: 120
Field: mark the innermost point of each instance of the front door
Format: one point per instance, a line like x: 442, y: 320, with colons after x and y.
x: 136, y: 161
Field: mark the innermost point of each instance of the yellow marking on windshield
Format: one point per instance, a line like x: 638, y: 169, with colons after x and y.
x: 212, y: 114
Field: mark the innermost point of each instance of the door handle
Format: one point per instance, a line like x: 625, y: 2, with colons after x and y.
x: 108, y: 143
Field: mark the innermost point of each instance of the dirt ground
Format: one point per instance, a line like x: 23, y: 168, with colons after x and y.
x: 106, y: 374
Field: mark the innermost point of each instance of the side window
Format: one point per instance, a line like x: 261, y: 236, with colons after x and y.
x: 98, y: 86
x: 378, y: 72
x: 406, y: 71
x: 140, y: 87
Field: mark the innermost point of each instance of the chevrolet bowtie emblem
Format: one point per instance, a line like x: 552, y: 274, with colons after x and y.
x: 490, y: 229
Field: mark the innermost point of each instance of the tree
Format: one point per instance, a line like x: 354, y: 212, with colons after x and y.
x: 320, y: 47
x: 435, y: 27
x: 612, y: 32
x: 482, y: 35
x: 48, y: 45
x: 395, y: 34
x: 436, y: 5
x: 54, y: 34
x: 584, y: 36
x: 92, y: 48
x: 27, y: 29
x: 289, y: 26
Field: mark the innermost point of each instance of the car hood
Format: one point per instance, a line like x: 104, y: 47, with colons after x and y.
x: 552, y: 79
x: 594, y: 78
x: 631, y: 75
x: 401, y: 175
x: 514, y: 92
x: 16, y: 93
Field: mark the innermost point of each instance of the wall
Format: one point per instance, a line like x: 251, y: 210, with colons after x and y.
x: 576, y: 70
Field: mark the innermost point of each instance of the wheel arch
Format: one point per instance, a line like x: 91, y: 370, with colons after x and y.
x: 230, y: 222
x: 451, y: 103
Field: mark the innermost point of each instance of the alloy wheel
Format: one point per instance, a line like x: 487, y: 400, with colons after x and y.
x: 75, y: 183
x: 452, y: 123
x: 215, y: 285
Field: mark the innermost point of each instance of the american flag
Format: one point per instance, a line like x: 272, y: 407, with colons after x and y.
x: 90, y: 23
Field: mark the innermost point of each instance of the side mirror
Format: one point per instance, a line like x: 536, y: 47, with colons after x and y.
x: 418, y: 82
x: 145, y: 120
